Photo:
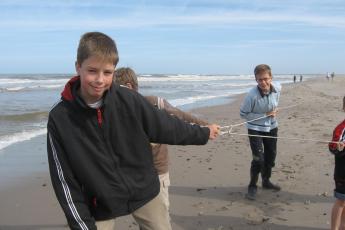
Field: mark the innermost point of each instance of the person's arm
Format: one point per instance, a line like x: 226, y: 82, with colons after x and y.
x: 187, y: 117
x: 214, y: 131
x: 67, y: 189
x: 272, y: 113
x: 246, y: 109
x: 337, y: 145
x: 337, y: 148
x: 163, y: 128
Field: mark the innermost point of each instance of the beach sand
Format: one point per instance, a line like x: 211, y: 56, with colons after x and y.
x: 209, y: 182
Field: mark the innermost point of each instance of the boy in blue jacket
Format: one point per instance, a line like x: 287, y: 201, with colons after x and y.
x: 259, y: 108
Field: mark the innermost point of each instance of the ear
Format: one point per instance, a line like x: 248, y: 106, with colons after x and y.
x: 77, y: 67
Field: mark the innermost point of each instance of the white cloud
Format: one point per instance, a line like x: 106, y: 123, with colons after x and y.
x: 102, y: 14
x: 156, y: 19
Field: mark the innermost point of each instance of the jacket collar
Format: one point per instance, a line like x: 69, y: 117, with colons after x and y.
x: 272, y: 90
x: 70, y: 94
x: 67, y: 93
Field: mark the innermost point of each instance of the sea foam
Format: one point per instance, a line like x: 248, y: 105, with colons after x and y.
x: 8, y: 140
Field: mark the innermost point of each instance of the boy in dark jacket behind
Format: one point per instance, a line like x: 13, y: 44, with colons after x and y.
x: 99, y: 138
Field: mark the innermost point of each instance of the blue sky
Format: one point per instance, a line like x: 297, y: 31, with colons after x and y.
x: 190, y: 37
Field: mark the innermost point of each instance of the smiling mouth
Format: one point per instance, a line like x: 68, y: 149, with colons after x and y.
x: 98, y: 88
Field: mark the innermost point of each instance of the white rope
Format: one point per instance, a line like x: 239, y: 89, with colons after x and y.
x: 287, y: 138
x: 230, y: 127
x: 280, y: 108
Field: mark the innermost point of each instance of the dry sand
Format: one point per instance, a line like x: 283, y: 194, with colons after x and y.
x: 209, y: 182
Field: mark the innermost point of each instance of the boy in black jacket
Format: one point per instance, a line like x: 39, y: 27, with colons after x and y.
x: 99, y: 138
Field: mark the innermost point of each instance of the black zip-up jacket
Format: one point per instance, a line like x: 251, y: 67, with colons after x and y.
x: 100, y: 160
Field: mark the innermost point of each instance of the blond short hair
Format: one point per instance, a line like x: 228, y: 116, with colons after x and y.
x: 97, y: 44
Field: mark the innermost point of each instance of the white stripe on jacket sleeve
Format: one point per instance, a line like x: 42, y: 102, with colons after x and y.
x: 64, y: 184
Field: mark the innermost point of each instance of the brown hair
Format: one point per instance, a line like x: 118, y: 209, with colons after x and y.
x: 126, y: 75
x: 97, y: 44
x: 262, y: 68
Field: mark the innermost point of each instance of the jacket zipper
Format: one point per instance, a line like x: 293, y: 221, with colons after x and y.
x: 99, y: 117
x: 100, y: 121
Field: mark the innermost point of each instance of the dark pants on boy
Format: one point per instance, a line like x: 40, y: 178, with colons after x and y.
x: 339, y: 177
x: 264, y: 152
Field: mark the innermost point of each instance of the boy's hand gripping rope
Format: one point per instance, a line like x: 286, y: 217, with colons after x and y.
x: 229, y: 128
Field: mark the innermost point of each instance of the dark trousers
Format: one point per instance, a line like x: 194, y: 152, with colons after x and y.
x: 264, y: 151
x: 339, y: 174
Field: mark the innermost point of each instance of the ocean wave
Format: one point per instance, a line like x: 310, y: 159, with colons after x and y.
x: 39, y: 115
x: 29, y: 88
x: 15, y: 81
x: 8, y: 82
x: 196, y: 77
x: 33, y: 79
x: 181, y: 77
x: 235, y: 85
x: 146, y: 75
x: 8, y: 140
x: 12, y: 89
x: 194, y: 99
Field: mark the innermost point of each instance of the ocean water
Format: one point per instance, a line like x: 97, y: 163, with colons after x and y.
x: 26, y: 99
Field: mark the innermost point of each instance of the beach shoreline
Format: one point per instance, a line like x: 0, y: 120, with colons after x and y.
x: 209, y: 182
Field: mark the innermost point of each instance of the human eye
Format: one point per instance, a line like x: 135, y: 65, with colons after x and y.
x: 264, y: 79
x: 108, y: 73
x: 92, y: 71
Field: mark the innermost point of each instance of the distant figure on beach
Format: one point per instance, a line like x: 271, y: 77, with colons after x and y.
x: 294, y: 78
x: 300, y: 78
x: 98, y: 142
x: 338, y: 210
x: 160, y: 213
x: 332, y: 75
x: 328, y: 76
x: 259, y: 108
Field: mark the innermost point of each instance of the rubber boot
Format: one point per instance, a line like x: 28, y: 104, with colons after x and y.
x: 266, y: 183
x: 252, y: 188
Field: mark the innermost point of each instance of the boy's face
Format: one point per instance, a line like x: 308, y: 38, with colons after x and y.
x: 96, y: 77
x: 264, y: 81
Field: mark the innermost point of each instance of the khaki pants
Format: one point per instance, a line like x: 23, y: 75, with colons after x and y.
x: 152, y: 216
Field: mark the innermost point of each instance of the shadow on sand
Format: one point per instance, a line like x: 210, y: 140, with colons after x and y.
x: 268, y: 202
